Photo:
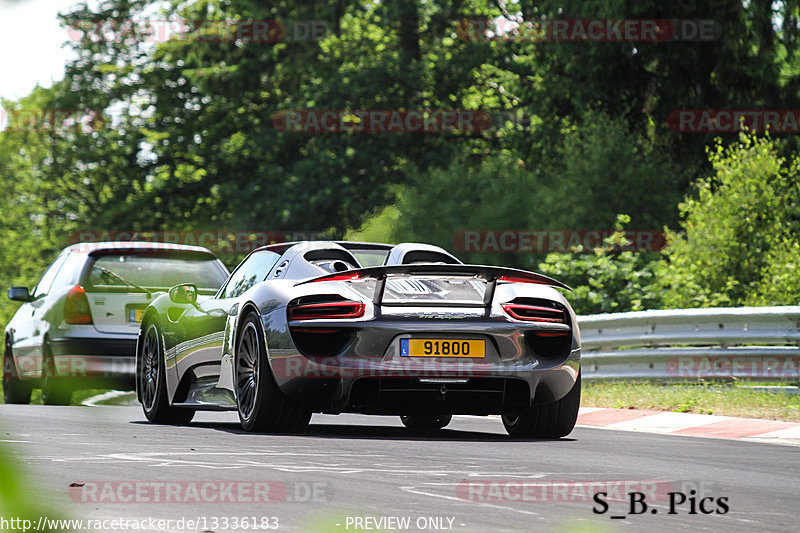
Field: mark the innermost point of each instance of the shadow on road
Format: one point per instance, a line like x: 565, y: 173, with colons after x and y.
x: 401, y: 433
x: 376, y: 432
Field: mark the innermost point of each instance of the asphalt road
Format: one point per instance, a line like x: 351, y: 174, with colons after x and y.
x: 358, y: 473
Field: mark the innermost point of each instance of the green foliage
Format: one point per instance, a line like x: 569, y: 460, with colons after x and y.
x: 18, y: 498
x: 601, y: 170
x: 751, y: 63
x: 605, y: 280
x: 478, y: 191
x: 588, y: 182
x: 741, y: 232
x: 190, y: 141
x: 377, y: 228
x: 35, y: 209
x: 196, y: 146
x: 779, y: 283
x: 199, y: 113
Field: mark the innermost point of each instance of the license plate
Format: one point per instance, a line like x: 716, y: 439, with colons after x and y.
x: 135, y: 315
x: 442, y: 348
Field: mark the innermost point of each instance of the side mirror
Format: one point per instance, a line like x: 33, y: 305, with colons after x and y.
x: 185, y: 293
x: 19, y: 294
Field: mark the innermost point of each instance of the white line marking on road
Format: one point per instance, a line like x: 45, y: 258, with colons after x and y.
x: 110, y: 395
x: 414, y: 490
x: 245, y: 460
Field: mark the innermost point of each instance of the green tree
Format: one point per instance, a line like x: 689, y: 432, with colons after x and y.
x: 196, y: 145
x: 603, y: 169
x: 607, y: 280
x: 36, y: 213
x: 201, y: 144
x: 599, y: 170
x: 479, y: 191
x: 740, y: 232
x: 750, y: 62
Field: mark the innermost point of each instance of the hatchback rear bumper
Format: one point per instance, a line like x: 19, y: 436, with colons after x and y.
x: 111, y: 360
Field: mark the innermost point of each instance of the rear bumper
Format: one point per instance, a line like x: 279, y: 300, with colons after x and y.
x: 381, y: 387
x: 372, y: 374
x: 474, y: 396
x: 98, y: 359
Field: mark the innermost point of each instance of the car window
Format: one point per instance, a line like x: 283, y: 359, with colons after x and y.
x: 43, y: 287
x: 70, y: 272
x: 424, y: 256
x: 115, y: 272
x: 253, y: 270
x: 370, y: 258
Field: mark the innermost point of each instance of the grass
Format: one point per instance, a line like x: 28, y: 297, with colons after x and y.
x: 15, y: 495
x: 77, y: 396
x: 707, y: 398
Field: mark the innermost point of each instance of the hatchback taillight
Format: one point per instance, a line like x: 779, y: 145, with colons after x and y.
x: 534, y: 313
x: 326, y: 310
x: 76, y: 307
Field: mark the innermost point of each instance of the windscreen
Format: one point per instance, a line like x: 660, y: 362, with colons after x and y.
x: 124, y: 271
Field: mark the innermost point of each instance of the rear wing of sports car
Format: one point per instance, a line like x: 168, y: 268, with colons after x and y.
x: 490, y: 274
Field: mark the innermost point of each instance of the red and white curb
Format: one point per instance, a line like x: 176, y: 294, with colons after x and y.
x: 711, y: 426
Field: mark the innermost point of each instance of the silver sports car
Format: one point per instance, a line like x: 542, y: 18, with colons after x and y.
x: 332, y: 327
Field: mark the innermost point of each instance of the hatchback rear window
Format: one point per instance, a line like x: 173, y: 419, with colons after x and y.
x: 122, y: 272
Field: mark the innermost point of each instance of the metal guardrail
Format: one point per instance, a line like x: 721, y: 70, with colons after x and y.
x: 757, y: 343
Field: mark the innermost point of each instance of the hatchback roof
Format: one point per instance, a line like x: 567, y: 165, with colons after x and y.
x: 134, y: 246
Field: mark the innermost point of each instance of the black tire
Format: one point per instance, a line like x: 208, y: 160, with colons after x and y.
x: 14, y: 389
x: 262, y: 406
x: 426, y: 421
x: 56, y: 390
x: 153, y: 384
x: 547, y: 421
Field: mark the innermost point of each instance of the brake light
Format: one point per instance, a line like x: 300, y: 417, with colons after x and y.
x: 76, y: 307
x: 345, y: 276
x: 515, y: 279
x: 327, y: 310
x: 534, y: 313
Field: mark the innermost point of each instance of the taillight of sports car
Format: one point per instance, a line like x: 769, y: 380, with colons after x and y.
x: 530, y: 278
x: 326, y: 310
x: 323, y: 341
x: 534, y: 313
x: 545, y: 344
x: 344, y: 276
x: 76, y: 307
